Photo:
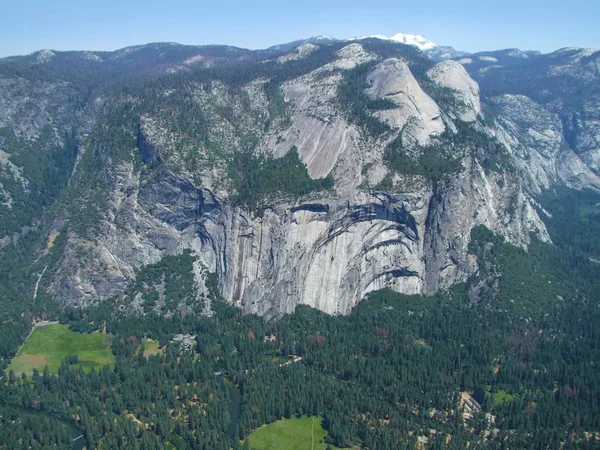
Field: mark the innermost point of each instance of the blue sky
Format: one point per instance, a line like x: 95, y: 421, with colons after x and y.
x: 546, y: 25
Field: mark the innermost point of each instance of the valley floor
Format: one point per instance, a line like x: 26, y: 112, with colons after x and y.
x: 294, y: 434
x: 49, y: 344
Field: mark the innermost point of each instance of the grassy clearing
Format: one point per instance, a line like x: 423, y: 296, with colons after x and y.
x: 501, y: 397
x: 50, y: 345
x: 151, y: 347
x: 276, y: 360
x: 304, y: 433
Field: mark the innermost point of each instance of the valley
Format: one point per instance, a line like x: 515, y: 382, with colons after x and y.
x: 325, y: 244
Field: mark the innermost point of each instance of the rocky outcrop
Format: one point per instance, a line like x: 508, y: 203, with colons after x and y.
x: 298, y: 53
x: 417, y: 115
x: 28, y: 107
x: 327, y: 253
x: 349, y: 57
x: 564, y: 83
x: 323, y: 137
x: 582, y: 128
x: 327, y: 256
x: 452, y: 75
x: 535, y: 137
x: 494, y: 200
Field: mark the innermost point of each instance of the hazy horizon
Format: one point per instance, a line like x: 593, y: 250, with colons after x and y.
x: 109, y: 50
x: 470, y: 26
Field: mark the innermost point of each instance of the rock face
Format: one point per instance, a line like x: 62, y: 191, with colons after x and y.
x: 327, y: 254
x: 324, y: 139
x: 535, y: 136
x: 298, y: 53
x: 417, y: 114
x: 316, y: 131
x: 339, y: 251
x: 564, y: 83
x: 583, y: 127
x: 164, y: 182
x: 452, y: 75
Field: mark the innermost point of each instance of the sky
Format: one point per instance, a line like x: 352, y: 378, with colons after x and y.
x: 545, y: 25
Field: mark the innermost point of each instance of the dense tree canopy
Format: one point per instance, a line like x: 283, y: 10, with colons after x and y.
x: 386, y: 375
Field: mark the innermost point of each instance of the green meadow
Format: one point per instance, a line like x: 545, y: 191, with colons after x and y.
x: 304, y: 433
x: 501, y: 397
x: 52, y: 344
x: 151, y: 347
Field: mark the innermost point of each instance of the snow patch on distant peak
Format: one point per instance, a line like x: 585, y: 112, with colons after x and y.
x: 416, y: 40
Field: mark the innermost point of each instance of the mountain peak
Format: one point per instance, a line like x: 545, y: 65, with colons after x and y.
x: 321, y: 37
x: 416, y: 40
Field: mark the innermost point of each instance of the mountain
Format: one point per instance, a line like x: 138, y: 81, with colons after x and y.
x: 431, y: 49
x: 408, y: 39
x: 320, y: 39
x: 347, y: 235
x: 564, y: 82
x: 444, y: 52
x: 312, y: 178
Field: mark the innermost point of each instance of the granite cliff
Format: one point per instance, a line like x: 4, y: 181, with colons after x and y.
x: 391, y: 161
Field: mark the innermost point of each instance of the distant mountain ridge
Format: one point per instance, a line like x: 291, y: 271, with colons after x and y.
x: 319, y: 39
x: 223, y: 53
x: 416, y: 40
x: 430, y: 48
